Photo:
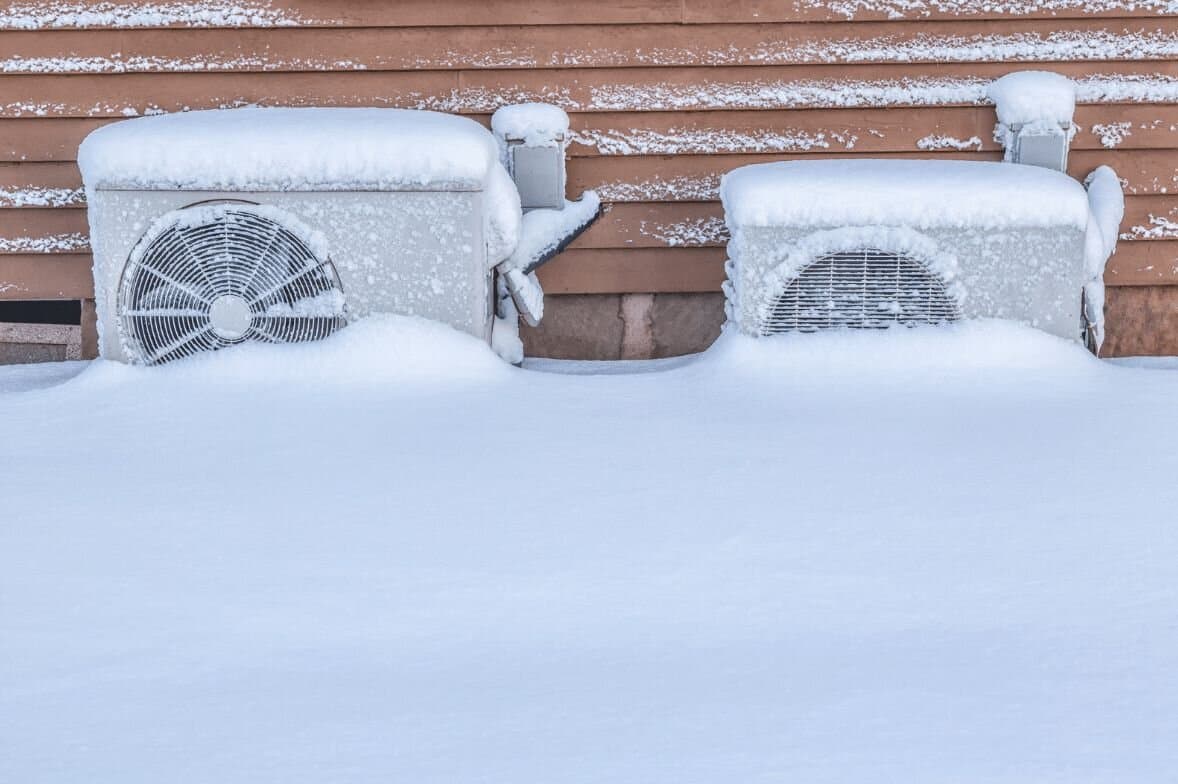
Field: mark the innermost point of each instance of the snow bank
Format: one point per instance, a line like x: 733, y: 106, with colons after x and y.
x: 782, y: 562
x: 920, y: 194
x: 290, y: 149
x: 1029, y: 97
x: 373, y: 351
x: 965, y: 347
x: 535, y: 124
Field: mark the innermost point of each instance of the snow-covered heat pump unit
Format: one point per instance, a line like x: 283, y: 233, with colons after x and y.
x: 866, y: 244
x: 217, y: 227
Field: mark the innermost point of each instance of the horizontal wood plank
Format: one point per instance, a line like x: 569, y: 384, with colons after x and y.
x: 146, y: 14
x: 832, y: 131
x: 578, y: 90
x: 697, y: 178
x: 264, y: 14
x: 593, y: 271
x: 32, y: 276
x: 707, y: 11
x: 815, y: 131
x: 583, y: 46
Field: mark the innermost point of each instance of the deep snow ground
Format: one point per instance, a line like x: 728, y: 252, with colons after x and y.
x: 922, y: 556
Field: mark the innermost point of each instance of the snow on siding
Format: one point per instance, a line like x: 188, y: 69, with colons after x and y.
x: 1059, y: 46
x: 1112, y: 134
x: 117, y: 63
x: 53, y: 243
x: 44, y: 14
x: 41, y: 197
x: 693, y: 232
x: 701, y: 188
x: 1155, y: 88
x: 663, y: 96
x: 936, y: 142
x: 1064, y: 45
x: 644, y: 141
x: 909, y: 9
x: 1160, y: 228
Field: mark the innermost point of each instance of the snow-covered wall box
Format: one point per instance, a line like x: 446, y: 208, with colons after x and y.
x: 662, y: 97
x: 1035, y: 111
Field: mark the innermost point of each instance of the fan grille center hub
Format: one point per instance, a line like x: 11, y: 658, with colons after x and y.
x: 230, y: 316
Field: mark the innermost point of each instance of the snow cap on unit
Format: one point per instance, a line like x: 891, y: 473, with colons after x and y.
x: 290, y: 150
x: 535, y: 124
x: 916, y: 193
x: 1028, y: 97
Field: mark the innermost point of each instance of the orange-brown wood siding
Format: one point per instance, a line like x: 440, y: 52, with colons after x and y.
x: 665, y: 96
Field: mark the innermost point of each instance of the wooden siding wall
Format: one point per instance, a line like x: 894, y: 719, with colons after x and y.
x: 665, y: 96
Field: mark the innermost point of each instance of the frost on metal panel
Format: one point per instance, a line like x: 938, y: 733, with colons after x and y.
x: 411, y: 252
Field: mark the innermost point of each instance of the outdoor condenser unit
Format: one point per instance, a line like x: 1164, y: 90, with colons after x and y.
x: 217, y: 227
x: 867, y: 244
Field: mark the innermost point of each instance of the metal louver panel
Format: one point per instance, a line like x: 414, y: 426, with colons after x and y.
x: 860, y: 289
x: 231, y: 276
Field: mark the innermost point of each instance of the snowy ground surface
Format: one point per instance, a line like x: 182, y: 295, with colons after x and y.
x: 920, y: 556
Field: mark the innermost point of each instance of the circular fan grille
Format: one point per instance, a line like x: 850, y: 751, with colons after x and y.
x: 218, y: 275
x: 861, y: 289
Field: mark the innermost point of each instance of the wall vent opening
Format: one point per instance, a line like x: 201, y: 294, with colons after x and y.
x: 861, y: 289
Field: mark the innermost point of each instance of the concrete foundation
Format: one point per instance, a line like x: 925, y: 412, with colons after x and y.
x: 625, y: 326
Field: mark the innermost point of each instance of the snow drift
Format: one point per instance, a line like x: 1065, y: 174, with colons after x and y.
x: 924, y: 556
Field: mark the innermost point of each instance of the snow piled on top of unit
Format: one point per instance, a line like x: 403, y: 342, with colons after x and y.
x: 535, y: 124
x: 1026, y: 97
x: 917, y: 193
x: 290, y: 149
